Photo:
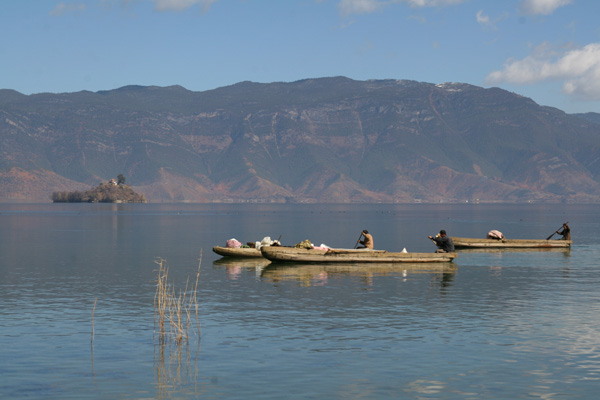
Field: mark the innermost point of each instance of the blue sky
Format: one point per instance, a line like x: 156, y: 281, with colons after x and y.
x: 548, y: 50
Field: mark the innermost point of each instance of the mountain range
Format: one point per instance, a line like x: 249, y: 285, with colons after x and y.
x: 315, y: 140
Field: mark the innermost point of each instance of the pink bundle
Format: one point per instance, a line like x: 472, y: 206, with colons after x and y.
x: 494, y: 234
x: 234, y: 243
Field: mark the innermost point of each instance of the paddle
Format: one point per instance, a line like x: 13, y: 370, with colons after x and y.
x: 555, y: 232
x: 358, y: 240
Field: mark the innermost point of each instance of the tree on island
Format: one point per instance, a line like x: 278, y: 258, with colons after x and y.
x: 103, y: 193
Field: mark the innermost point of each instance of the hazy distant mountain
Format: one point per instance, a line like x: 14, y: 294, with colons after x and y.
x: 590, y: 116
x: 325, y: 140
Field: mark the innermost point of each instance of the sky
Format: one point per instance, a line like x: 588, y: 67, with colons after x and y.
x: 548, y: 50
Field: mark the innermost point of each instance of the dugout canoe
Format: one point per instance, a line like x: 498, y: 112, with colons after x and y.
x: 488, y: 250
x: 239, y: 252
x: 475, y: 243
x: 291, y: 254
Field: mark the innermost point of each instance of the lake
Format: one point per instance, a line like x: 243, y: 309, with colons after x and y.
x: 78, y: 284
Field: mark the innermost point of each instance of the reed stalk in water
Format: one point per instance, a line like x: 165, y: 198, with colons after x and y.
x: 93, y: 310
x: 172, y: 311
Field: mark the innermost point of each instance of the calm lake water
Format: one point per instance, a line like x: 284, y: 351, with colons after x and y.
x: 494, y: 325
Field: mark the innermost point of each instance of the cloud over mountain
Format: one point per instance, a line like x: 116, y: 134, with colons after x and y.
x: 577, y: 68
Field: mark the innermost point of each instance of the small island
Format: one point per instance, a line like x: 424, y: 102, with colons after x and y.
x: 113, y: 191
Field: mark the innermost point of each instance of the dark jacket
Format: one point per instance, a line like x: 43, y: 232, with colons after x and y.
x: 444, y: 243
x: 565, y: 233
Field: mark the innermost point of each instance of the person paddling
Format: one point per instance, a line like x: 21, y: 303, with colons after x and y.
x: 443, y: 242
x: 367, y: 242
x: 565, y: 233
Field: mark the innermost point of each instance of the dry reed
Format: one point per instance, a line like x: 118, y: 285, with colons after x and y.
x: 93, y: 310
x: 172, y: 310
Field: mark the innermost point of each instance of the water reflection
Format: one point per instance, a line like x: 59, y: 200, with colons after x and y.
x: 319, y: 274
x: 495, y: 270
x: 497, y: 324
x: 175, y: 370
x: 235, y: 266
x: 242, y: 262
x: 425, y: 388
x: 444, y: 280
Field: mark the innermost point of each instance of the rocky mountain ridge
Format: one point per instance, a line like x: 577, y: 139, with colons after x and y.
x: 315, y: 140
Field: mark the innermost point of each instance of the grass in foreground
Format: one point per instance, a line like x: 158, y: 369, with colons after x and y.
x: 173, y: 311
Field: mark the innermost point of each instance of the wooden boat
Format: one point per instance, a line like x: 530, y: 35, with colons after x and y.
x: 505, y: 250
x: 474, y: 243
x: 291, y: 254
x: 241, y: 252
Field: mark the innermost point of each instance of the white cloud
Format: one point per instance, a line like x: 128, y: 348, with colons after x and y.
x: 577, y: 68
x: 544, y: 7
x: 359, y: 6
x: 430, y: 3
x: 368, y: 6
x: 482, y: 19
x: 419, y: 18
x: 487, y: 22
x: 62, y: 8
x: 180, y: 5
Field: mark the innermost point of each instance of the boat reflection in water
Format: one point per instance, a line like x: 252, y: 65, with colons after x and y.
x: 319, y: 274
x: 235, y: 265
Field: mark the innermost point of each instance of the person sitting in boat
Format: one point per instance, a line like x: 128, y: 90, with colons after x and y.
x: 367, y: 242
x: 565, y: 233
x: 443, y: 242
